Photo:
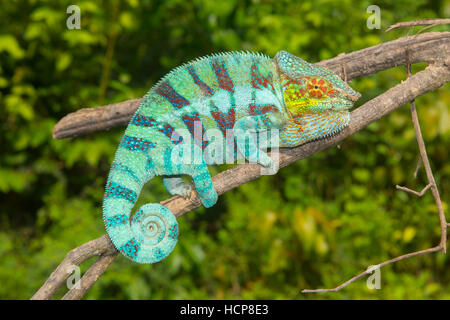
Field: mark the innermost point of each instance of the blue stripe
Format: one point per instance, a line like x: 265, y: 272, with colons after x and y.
x: 115, y: 190
x: 167, y: 91
x: 116, y: 220
x: 136, y: 144
x: 131, y: 248
x: 207, y: 91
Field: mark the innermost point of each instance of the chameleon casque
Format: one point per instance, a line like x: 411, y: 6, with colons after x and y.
x: 213, y: 96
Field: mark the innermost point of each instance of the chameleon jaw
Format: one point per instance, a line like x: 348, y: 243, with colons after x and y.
x: 313, y: 126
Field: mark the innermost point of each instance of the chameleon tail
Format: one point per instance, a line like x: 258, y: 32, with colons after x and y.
x: 153, y: 232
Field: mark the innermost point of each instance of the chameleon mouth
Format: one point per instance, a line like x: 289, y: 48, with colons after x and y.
x: 330, y: 135
x: 313, y: 126
x: 300, y: 109
x: 335, y: 126
x: 342, y: 110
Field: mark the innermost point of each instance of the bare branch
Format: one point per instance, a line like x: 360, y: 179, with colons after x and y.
x: 90, y: 277
x: 88, y: 120
x: 430, y: 176
x: 425, y: 22
x: 75, y: 257
x: 370, y: 270
x: 419, y: 194
x: 426, y: 164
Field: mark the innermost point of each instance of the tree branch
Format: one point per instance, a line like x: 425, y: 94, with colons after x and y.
x: 419, y: 194
x: 363, y: 62
x: 97, y: 247
x: 425, y: 22
x: 90, y: 277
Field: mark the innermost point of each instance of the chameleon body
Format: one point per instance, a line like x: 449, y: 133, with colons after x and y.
x: 193, y: 105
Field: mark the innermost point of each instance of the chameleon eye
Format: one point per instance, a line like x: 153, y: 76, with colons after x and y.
x: 317, y: 88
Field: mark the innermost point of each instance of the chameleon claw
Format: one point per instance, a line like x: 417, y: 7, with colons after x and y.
x: 185, y: 191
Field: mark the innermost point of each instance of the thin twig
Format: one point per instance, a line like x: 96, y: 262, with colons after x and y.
x: 419, y: 194
x: 371, y: 268
x: 430, y: 177
x: 429, y: 172
x: 425, y: 22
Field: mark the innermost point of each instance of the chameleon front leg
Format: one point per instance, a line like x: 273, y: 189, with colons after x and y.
x: 203, y: 185
x: 243, y: 130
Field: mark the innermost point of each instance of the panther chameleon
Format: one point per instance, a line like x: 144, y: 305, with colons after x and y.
x: 222, y: 96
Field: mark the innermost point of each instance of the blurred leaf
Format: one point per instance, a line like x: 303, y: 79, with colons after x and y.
x: 9, y: 44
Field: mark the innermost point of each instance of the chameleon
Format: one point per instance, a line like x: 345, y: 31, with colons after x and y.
x: 224, y: 95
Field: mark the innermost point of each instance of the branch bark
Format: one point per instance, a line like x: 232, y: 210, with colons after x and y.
x: 430, y: 47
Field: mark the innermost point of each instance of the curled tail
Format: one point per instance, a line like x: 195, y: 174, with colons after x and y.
x: 153, y: 232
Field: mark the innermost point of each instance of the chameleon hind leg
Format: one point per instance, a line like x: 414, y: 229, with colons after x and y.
x: 176, y: 186
x: 171, y: 162
x: 203, y: 185
x: 245, y: 130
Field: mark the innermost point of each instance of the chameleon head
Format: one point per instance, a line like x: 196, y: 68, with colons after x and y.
x: 317, y: 101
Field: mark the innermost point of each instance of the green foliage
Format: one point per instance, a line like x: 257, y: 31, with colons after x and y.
x: 315, y: 224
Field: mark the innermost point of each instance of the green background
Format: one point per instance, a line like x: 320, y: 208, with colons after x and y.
x: 315, y: 224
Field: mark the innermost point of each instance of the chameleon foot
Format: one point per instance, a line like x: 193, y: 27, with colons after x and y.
x: 183, y: 190
x: 177, y: 187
